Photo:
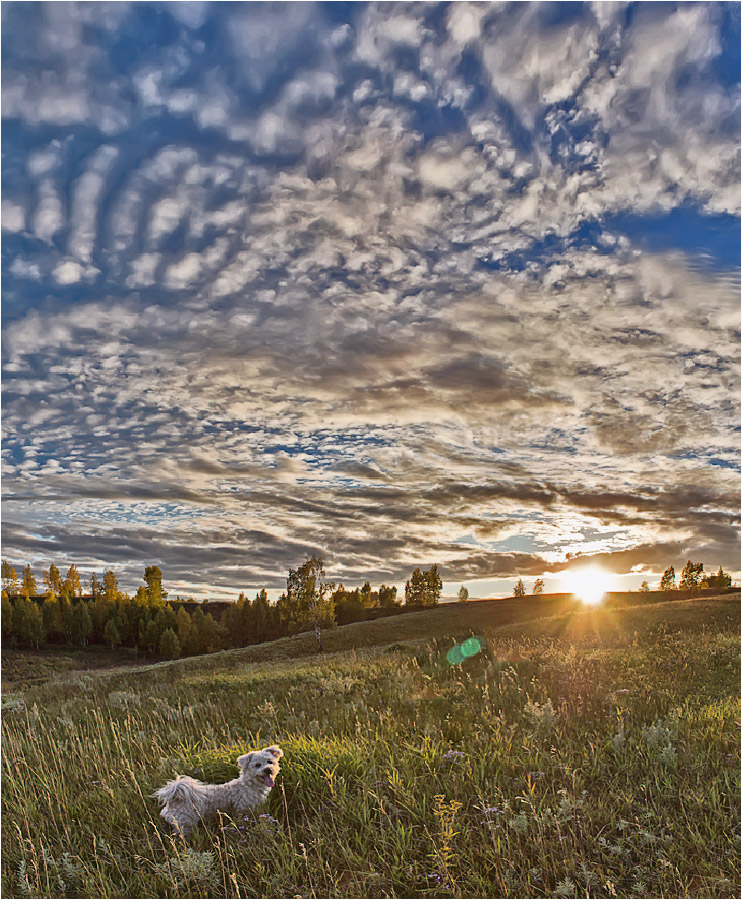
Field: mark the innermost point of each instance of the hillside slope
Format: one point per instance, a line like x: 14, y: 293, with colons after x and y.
x: 593, y: 752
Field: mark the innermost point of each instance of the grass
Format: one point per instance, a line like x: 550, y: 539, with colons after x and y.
x: 587, y: 753
x: 22, y: 668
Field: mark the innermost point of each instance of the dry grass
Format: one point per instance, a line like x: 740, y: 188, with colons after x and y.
x: 593, y: 753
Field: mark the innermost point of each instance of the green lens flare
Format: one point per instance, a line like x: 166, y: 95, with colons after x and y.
x: 459, y: 652
x: 471, y: 647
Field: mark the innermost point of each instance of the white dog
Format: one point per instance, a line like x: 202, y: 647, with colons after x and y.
x: 186, y: 801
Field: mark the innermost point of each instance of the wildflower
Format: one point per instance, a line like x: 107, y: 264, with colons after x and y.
x: 454, y: 757
x: 269, y: 823
x: 494, y: 811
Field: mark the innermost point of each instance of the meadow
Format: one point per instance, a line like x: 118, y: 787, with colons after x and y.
x: 583, y: 753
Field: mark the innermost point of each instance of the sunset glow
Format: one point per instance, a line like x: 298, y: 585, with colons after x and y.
x: 590, y: 584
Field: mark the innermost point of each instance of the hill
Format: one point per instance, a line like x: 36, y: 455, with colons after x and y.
x: 585, y: 751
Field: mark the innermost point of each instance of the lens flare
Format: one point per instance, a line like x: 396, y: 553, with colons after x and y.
x: 471, y: 647
x: 589, y: 584
x: 459, y: 652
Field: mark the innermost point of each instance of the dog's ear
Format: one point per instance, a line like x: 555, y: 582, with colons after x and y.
x: 244, y: 761
x: 275, y: 751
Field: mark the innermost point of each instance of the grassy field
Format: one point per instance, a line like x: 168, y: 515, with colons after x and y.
x: 585, y: 753
x: 22, y: 668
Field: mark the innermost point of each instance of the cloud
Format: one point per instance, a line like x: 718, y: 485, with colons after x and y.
x: 13, y: 216
x: 48, y: 215
x: 68, y: 272
x: 279, y: 284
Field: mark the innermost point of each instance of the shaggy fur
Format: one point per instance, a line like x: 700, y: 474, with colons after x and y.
x: 186, y: 801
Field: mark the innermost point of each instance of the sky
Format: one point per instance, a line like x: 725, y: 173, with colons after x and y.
x: 397, y: 284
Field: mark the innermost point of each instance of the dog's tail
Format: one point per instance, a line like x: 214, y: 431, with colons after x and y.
x: 181, y: 789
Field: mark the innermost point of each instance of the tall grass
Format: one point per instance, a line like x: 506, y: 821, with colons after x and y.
x: 591, y: 754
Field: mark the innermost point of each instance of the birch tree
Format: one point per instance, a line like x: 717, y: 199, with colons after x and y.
x: 308, y: 593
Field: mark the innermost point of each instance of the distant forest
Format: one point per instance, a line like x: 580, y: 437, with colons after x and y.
x: 63, y: 614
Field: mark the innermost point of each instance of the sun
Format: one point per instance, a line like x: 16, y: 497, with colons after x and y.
x: 590, y: 584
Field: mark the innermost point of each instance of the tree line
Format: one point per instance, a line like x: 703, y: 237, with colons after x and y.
x: 105, y: 615
x: 692, y: 578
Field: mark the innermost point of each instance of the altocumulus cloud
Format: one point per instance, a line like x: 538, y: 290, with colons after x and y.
x: 394, y: 283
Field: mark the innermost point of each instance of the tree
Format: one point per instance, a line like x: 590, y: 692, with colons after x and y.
x: 9, y: 577
x: 435, y: 586
x: 668, y: 579
x: 212, y: 636
x: 52, y: 579
x: 366, y: 596
x: 644, y: 588
x: 719, y: 582
x: 28, y: 626
x: 185, y: 630
x: 538, y: 586
x: 28, y: 583
x: 96, y: 588
x: 111, y: 634
x: 207, y: 635
x: 169, y: 646
x: 236, y: 621
x: 423, y: 588
x: 414, y: 589
x: 110, y: 585
x: 153, y: 580
x: 262, y: 615
x: 149, y: 634
x: 388, y: 596
x: 520, y: 589
x: 65, y: 614
x: 308, y: 594
x: 100, y: 612
x: 690, y: 577
x: 130, y: 620
x: 51, y: 614
x: 73, y: 580
x: 463, y: 594
x: 81, y: 622
x: 349, y: 605
x: 7, y: 616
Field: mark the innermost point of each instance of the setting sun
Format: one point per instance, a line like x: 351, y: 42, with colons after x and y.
x: 589, y: 584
